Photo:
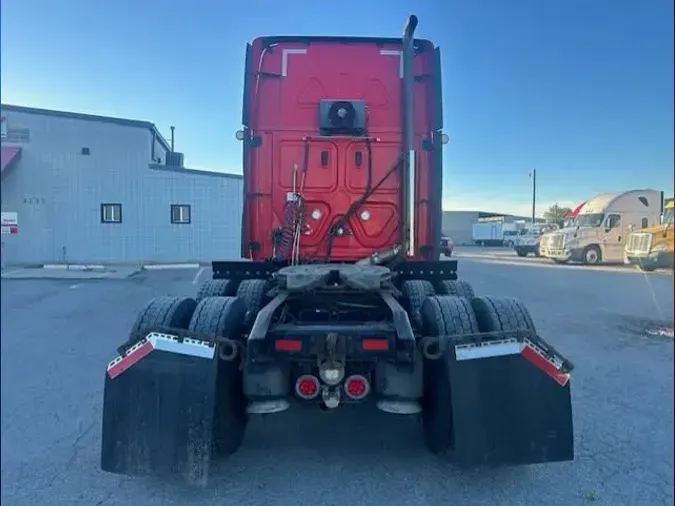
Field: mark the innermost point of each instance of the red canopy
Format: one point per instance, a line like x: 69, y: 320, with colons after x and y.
x: 9, y: 154
x: 576, y: 211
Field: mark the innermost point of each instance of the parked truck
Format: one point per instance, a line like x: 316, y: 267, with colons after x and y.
x: 528, y: 242
x: 529, y: 239
x: 340, y: 297
x: 570, y: 222
x: 652, y: 247
x: 601, y: 227
x: 493, y: 232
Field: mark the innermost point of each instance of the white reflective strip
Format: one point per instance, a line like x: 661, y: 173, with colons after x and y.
x: 487, y: 350
x: 392, y: 52
x: 167, y: 342
x: 284, y: 59
x: 190, y: 347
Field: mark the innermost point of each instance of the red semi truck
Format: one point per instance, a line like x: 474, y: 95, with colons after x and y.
x: 323, y: 122
x: 341, y: 297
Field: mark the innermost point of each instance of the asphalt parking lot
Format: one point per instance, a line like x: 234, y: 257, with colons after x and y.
x: 57, y: 337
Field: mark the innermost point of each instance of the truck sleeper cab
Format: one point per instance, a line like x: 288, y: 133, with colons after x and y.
x: 602, y: 226
x: 321, y: 131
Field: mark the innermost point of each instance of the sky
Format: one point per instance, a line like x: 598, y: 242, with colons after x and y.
x: 580, y: 90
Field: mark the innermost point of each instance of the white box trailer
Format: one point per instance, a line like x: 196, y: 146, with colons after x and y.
x: 601, y: 227
x: 487, y: 233
x: 494, y: 232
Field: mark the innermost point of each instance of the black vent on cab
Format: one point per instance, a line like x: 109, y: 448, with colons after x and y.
x: 342, y: 117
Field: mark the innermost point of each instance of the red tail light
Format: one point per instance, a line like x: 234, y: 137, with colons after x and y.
x: 288, y: 345
x: 375, y: 345
x: 307, y: 387
x: 357, y: 387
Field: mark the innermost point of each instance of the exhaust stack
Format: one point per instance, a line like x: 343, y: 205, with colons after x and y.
x: 409, y: 172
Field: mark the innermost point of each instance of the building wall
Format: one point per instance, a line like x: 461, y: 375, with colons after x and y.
x: 216, y: 202
x: 158, y: 154
x: 458, y: 225
x: 57, y: 193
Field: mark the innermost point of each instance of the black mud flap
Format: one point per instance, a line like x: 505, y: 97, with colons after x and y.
x: 511, y: 404
x: 158, y: 413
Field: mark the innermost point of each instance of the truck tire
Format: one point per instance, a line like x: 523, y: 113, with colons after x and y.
x: 452, y: 316
x: 457, y: 287
x: 502, y: 314
x: 645, y: 268
x: 415, y: 291
x: 216, y: 288
x: 591, y: 255
x: 521, y: 253
x: 224, y: 316
x: 165, y: 311
x: 252, y: 292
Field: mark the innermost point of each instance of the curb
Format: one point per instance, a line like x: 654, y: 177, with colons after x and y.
x: 74, y: 267
x: 101, y: 267
x: 157, y: 267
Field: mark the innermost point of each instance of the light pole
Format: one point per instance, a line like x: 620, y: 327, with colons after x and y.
x: 533, y: 176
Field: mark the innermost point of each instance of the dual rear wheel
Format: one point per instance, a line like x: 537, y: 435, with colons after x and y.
x: 224, y: 310
x: 454, y: 314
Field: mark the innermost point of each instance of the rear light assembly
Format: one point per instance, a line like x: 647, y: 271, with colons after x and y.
x: 357, y: 387
x: 295, y: 345
x: 307, y: 387
x: 292, y: 345
x: 375, y: 345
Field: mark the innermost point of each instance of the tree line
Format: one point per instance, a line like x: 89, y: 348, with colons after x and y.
x: 556, y: 214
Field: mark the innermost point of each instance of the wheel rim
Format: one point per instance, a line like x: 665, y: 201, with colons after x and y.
x: 591, y: 256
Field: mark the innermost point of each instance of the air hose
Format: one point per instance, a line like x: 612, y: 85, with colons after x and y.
x: 354, y: 208
x: 293, y: 212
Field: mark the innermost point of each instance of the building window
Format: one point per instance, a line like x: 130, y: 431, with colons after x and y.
x: 645, y: 222
x: 111, y: 213
x: 18, y: 135
x: 180, y: 213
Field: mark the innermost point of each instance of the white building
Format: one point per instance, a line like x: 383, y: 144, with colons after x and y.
x: 94, y: 189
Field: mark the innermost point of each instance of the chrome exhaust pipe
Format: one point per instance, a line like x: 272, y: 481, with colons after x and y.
x: 410, y: 171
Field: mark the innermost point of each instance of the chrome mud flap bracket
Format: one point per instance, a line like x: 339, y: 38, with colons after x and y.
x: 158, y: 408
x: 511, y: 401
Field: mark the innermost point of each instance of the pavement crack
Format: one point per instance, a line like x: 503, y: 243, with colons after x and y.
x: 104, y: 499
x: 74, y: 444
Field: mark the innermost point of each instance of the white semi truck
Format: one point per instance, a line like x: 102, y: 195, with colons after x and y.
x: 599, y: 232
